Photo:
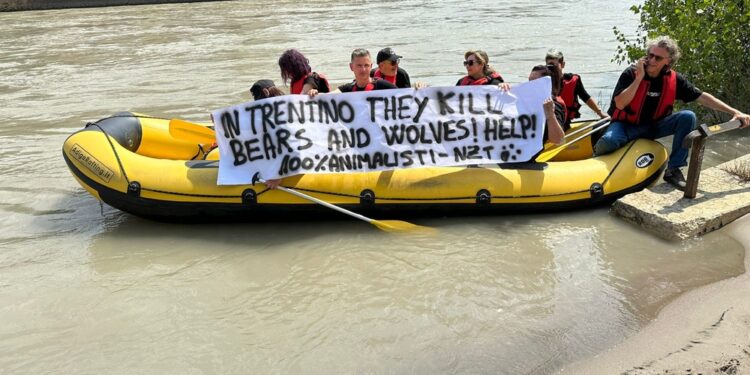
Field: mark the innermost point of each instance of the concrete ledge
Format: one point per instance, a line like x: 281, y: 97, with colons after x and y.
x: 662, y: 210
x: 18, y: 5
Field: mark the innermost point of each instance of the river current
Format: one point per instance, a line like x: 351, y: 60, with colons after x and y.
x: 87, y: 289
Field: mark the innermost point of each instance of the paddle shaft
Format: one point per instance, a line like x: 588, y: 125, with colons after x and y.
x: 586, y: 127
x: 322, y: 203
x: 551, y: 153
x: 704, y: 131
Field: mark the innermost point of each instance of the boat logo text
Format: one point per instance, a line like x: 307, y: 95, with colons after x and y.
x: 90, y: 162
x: 644, y: 160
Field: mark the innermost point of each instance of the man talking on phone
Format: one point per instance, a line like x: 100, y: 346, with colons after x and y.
x: 642, y: 105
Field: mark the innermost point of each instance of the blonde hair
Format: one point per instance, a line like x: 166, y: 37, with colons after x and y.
x: 481, y: 57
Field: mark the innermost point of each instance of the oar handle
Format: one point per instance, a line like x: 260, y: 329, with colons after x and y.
x: 321, y: 202
x: 600, y: 125
x: 586, y: 127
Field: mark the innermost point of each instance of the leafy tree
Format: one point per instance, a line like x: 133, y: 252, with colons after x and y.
x: 714, y: 36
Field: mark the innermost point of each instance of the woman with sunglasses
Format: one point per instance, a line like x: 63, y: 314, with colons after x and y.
x: 478, y: 71
x: 296, y: 68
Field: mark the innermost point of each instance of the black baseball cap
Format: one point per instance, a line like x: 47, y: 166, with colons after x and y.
x: 258, y: 86
x: 387, y: 54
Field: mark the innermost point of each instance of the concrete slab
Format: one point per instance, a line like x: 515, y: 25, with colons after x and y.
x: 721, y: 199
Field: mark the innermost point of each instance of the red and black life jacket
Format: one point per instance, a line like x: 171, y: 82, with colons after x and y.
x: 379, y: 75
x: 632, y: 112
x: 496, y: 75
x: 321, y: 79
x: 560, y: 100
x: 568, y: 95
x: 370, y: 86
x: 468, y: 81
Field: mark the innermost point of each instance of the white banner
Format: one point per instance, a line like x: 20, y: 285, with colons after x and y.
x: 380, y: 130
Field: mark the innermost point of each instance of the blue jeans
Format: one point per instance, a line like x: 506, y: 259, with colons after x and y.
x: 680, y: 124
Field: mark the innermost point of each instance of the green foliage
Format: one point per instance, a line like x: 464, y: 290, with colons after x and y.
x: 715, y: 40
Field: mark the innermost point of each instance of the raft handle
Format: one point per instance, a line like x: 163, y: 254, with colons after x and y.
x: 249, y: 197
x: 134, y: 189
x: 367, y: 197
x: 484, y: 197
x: 596, y: 190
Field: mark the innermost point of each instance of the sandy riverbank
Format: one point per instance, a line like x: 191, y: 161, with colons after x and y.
x: 705, y: 331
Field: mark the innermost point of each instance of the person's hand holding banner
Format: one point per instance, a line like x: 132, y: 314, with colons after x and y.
x: 380, y: 130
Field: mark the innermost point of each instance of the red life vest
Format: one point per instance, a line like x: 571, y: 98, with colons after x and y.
x: 568, y: 95
x: 496, y: 75
x: 379, y: 75
x: 322, y: 81
x: 370, y: 86
x: 632, y: 112
x: 468, y: 81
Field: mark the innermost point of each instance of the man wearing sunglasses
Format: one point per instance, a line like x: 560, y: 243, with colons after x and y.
x: 389, y: 70
x: 642, y: 105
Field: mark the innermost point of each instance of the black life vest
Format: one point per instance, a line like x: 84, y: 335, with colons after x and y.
x: 321, y: 79
x: 568, y: 95
x: 632, y: 112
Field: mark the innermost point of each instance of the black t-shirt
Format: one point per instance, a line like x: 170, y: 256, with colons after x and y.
x: 686, y: 91
x: 316, y: 82
x: 560, y: 116
x: 490, y: 81
x: 380, y: 84
x: 402, y: 78
x: 579, y: 92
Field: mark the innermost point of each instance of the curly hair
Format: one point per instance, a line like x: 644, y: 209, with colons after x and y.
x: 668, y: 44
x: 294, y: 65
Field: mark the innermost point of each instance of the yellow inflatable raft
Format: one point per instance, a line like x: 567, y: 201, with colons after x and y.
x: 131, y: 162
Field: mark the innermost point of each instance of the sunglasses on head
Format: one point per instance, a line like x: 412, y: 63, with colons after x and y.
x: 470, y: 62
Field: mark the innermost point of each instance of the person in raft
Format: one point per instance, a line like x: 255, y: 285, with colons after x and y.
x: 554, y: 107
x: 389, y: 70
x: 642, y: 103
x: 478, y: 70
x: 361, y: 64
x: 295, y: 68
x: 572, y: 88
x: 264, y: 88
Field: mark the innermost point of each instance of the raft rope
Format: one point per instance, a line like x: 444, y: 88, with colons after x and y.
x: 114, y: 150
x: 618, y: 163
x: 122, y: 169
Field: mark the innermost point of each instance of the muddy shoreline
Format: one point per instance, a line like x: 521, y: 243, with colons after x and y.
x: 703, y: 331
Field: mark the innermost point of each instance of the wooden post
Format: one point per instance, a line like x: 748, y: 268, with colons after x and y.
x: 694, y: 168
x: 696, y: 140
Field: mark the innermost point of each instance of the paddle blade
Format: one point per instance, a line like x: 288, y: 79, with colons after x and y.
x: 191, y: 132
x: 401, y: 226
x: 549, y: 154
